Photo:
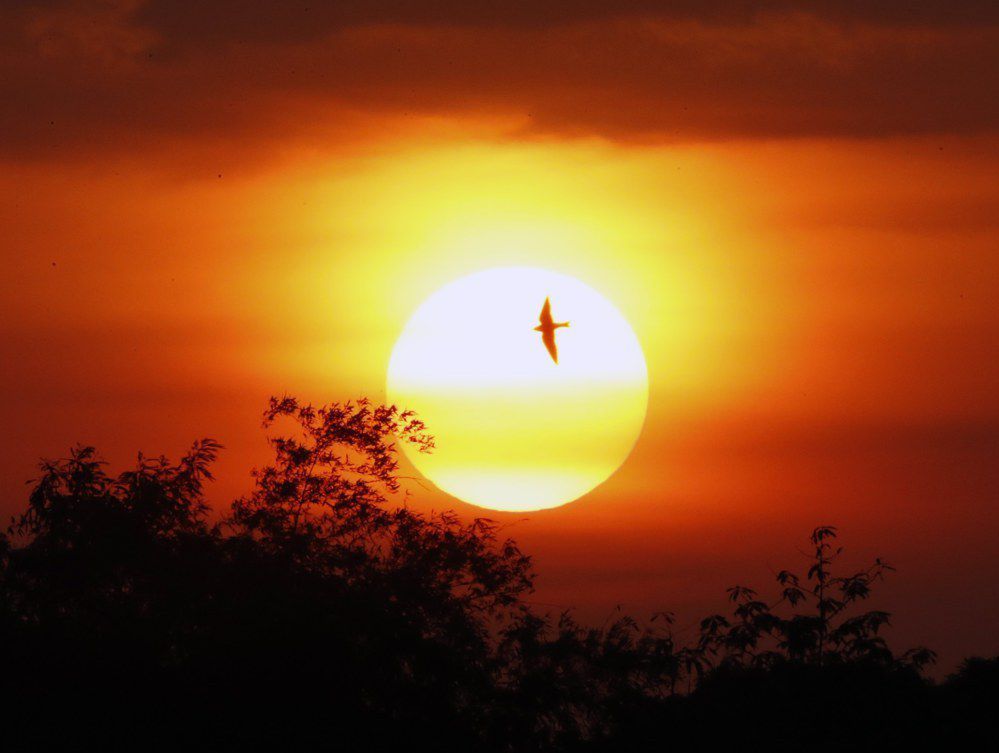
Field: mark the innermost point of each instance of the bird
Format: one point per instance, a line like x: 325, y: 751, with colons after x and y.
x: 547, y: 329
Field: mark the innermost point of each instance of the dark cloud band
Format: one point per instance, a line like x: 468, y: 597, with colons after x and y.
x: 90, y: 77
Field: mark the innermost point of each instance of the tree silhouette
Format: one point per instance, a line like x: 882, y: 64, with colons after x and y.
x: 758, y: 635
x: 320, y: 611
x: 323, y: 504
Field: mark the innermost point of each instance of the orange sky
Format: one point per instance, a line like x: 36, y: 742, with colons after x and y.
x: 796, y: 211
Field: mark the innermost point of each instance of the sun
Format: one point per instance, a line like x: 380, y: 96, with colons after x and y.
x: 514, y: 429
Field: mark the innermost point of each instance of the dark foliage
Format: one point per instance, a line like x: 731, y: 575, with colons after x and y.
x: 318, y: 613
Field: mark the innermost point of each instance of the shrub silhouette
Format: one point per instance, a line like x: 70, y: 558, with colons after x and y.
x: 821, y: 633
x: 317, y: 612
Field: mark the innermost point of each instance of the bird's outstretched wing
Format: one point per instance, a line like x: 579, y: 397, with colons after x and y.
x: 546, y: 318
x: 548, y: 338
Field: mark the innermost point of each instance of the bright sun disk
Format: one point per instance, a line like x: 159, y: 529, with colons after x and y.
x: 513, y: 430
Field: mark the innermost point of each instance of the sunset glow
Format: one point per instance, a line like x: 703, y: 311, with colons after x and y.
x: 772, y: 229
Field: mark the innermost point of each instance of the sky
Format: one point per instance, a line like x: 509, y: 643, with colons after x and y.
x: 795, y: 205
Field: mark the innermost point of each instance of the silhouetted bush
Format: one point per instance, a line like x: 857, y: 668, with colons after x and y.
x: 316, y: 613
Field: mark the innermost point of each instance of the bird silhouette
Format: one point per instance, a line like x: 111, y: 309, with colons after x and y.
x: 547, y: 329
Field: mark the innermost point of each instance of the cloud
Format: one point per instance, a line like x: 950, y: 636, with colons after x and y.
x: 119, y: 75
x: 279, y: 20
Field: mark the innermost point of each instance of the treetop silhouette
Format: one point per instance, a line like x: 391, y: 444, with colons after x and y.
x: 318, y: 609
